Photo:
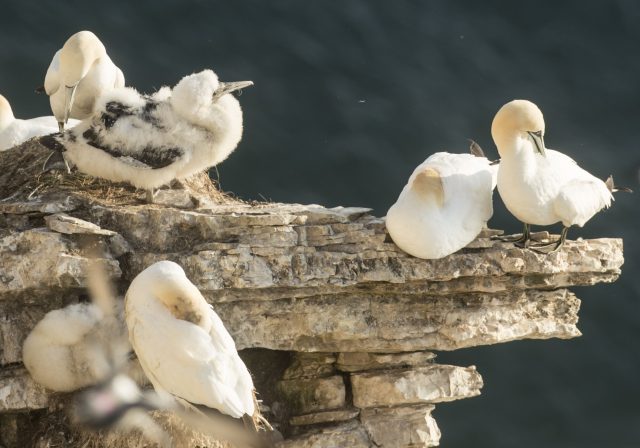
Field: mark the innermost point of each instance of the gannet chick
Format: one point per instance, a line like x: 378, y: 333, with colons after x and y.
x: 14, y: 131
x: 444, y: 206
x: 148, y: 141
x: 65, y: 350
x: 79, y: 73
x: 538, y: 185
x: 182, y: 344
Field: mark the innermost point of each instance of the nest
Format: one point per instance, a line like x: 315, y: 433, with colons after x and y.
x: 22, y: 179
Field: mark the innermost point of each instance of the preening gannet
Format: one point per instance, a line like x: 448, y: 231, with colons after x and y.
x: 538, y: 185
x: 148, y: 141
x: 444, y: 206
x: 14, y: 131
x: 65, y: 350
x: 182, y: 344
x: 79, y: 73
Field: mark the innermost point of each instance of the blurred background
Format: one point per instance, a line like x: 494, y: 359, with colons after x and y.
x: 350, y: 96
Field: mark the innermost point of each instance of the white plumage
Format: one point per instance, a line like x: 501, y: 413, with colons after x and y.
x: 79, y: 73
x: 537, y: 185
x: 150, y: 140
x: 182, y: 344
x: 14, y: 131
x: 65, y: 351
x: 444, y: 206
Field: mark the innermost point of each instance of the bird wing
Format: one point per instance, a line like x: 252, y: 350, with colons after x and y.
x: 580, y: 199
x: 188, y: 362
x: 132, y: 134
x: 52, y: 78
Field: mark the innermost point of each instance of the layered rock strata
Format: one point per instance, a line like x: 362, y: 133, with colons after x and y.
x: 358, y: 318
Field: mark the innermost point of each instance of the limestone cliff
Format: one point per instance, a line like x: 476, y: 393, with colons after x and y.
x: 338, y: 324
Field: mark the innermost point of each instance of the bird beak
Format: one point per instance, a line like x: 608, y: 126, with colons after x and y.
x: 539, y: 142
x: 228, y: 87
x: 69, y: 95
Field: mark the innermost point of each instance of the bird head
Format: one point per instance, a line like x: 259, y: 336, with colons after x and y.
x: 205, y: 100
x: 6, y: 114
x: 77, y: 56
x: 427, y: 183
x: 168, y: 283
x: 518, y: 119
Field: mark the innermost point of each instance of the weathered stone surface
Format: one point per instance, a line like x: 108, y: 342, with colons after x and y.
x: 304, y: 396
x: 430, y: 384
x: 401, y: 427
x: 287, y: 277
x: 311, y: 365
x: 367, y: 322
x: 324, y: 417
x: 18, y: 392
x: 173, y: 198
x: 40, y: 259
x: 63, y: 223
x: 359, y: 361
x: 351, y: 435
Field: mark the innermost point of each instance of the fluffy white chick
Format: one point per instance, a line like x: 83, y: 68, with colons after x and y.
x: 148, y: 141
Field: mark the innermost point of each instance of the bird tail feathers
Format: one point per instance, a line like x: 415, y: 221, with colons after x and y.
x: 613, y: 188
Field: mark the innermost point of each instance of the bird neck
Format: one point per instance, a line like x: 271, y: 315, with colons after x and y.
x: 6, y: 114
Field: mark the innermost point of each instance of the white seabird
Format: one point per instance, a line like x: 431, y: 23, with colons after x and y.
x: 182, y: 344
x: 14, y: 131
x: 65, y: 350
x: 79, y: 73
x: 538, y: 185
x: 444, y: 206
x: 148, y: 141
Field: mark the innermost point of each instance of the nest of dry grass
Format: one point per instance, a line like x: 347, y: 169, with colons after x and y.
x: 22, y: 179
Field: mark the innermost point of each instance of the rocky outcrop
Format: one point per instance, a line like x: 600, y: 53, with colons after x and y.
x: 359, y: 318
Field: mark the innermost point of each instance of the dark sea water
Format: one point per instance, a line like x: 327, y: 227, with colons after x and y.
x: 351, y: 95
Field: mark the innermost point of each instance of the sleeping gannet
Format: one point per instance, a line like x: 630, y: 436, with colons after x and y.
x: 538, y: 185
x: 148, y: 141
x: 14, y: 131
x: 183, y: 346
x: 444, y: 206
x: 79, y: 73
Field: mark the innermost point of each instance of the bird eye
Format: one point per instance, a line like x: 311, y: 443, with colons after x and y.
x: 537, y: 133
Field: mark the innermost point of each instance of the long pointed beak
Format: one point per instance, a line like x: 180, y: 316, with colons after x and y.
x: 228, y: 87
x: 69, y: 95
x: 538, y: 140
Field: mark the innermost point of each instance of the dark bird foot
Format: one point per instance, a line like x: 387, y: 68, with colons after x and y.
x: 56, y: 162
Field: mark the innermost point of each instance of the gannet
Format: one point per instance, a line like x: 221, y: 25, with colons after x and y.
x: 444, y: 206
x: 79, y: 73
x: 65, y: 350
x: 538, y: 185
x: 182, y: 344
x: 14, y: 131
x: 150, y: 140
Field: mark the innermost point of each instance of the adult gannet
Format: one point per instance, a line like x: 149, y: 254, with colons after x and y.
x: 150, y: 140
x: 444, y: 206
x: 14, y: 131
x: 538, y: 185
x: 79, y: 73
x: 182, y: 344
x: 65, y: 351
